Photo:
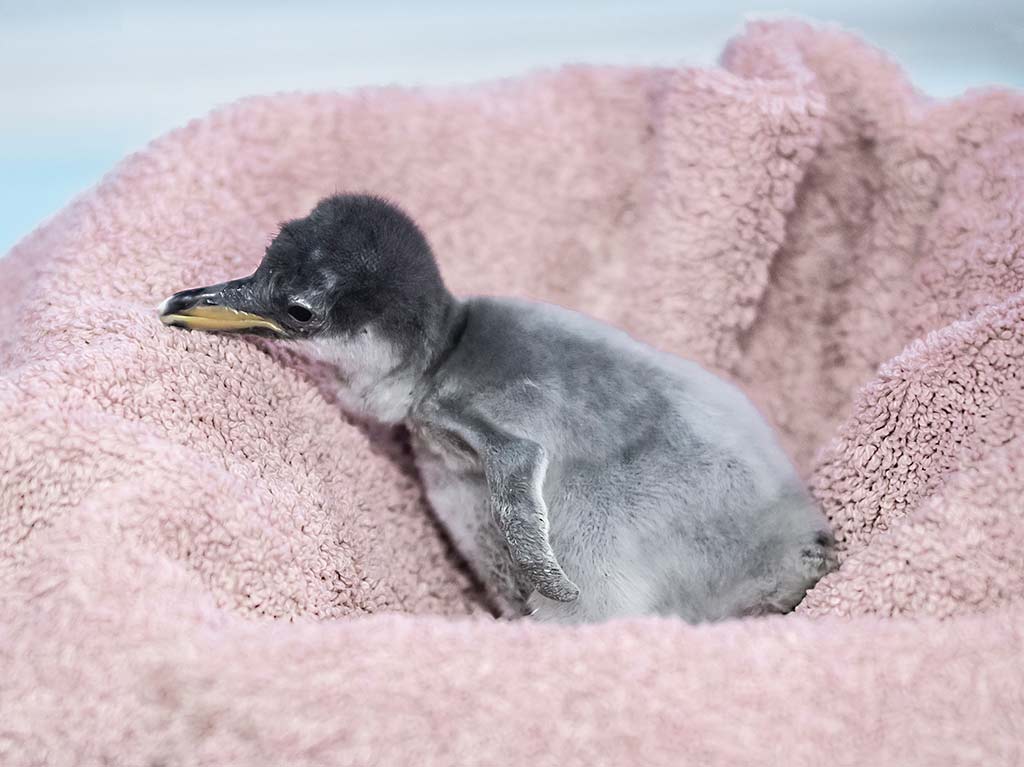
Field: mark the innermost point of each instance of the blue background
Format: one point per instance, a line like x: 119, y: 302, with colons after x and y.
x: 84, y: 83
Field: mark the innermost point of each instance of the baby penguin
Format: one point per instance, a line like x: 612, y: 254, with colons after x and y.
x: 581, y: 474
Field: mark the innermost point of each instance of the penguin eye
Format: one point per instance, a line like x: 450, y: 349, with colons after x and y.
x: 299, y: 313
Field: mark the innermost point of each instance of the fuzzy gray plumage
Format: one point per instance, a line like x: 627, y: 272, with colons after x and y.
x: 582, y: 474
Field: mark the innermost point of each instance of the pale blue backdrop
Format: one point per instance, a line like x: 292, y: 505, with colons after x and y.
x: 83, y: 83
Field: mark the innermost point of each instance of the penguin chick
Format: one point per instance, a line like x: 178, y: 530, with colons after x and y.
x: 582, y: 474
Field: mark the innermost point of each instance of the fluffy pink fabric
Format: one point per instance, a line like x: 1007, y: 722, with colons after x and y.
x: 197, y: 546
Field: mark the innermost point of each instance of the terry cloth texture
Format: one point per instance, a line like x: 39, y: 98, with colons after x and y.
x: 203, y: 561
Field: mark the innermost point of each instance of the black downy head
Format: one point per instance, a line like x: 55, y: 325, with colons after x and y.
x: 354, y: 262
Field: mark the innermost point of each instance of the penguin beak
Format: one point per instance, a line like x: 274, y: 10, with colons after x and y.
x: 229, y: 306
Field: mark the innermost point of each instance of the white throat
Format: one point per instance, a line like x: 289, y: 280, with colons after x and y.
x: 369, y: 383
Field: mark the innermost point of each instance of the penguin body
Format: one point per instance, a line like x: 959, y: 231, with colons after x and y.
x: 663, y: 489
x: 582, y: 475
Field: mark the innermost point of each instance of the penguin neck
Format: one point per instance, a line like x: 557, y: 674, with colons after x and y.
x: 449, y: 329
x: 380, y: 373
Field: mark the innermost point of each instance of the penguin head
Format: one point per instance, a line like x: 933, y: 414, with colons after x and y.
x: 355, y: 264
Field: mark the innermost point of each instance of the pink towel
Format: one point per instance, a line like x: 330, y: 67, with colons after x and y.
x: 202, y: 561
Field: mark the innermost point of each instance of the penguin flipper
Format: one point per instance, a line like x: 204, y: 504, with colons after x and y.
x: 515, y: 469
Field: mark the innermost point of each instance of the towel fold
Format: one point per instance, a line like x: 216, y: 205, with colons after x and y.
x: 203, y: 561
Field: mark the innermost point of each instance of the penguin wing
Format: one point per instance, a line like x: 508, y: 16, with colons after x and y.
x: 514, y: 468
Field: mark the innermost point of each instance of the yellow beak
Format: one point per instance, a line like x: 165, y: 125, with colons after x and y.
x: 218, y: 318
